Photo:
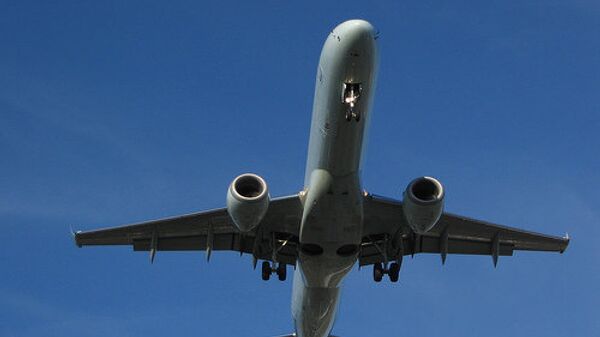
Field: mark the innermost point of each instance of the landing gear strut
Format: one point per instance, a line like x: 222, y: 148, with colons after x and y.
x: 267, y: 270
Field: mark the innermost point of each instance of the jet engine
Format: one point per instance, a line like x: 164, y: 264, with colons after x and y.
x: 423, y: 203
x: 247, y: 201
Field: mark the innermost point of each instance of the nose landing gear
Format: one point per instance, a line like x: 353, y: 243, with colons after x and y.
x: 350, y: 96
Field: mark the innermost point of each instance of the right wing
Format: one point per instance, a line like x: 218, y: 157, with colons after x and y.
x: 210, y: 230
x: 387, y: 233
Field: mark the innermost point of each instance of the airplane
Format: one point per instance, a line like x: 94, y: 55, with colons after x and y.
x: 332, y: 223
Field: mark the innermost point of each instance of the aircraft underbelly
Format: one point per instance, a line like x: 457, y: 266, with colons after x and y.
x: 314, y: 309
x: 331, y: 226
x: 333, y: 215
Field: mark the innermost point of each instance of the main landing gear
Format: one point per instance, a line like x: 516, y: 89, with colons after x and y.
x: 350, y: 96
x: 384, y: 246
x: 393, y: 272
x: 268, y: 269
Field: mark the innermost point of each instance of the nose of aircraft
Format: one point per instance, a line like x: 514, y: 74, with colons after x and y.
x: 355, y: 31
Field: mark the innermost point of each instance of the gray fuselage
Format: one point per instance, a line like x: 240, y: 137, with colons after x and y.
x: 332, y: 220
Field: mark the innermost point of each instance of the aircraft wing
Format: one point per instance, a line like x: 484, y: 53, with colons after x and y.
x: 453, y: 234
x: 208, y: 231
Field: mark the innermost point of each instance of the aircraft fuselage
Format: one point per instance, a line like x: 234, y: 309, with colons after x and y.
x: 332, y: 220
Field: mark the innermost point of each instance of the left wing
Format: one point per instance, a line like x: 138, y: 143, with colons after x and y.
x: 277, y: 234
x: 388, y: 236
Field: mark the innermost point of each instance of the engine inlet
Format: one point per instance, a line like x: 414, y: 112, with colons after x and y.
x: 426, y: 189
x: 249, y: 186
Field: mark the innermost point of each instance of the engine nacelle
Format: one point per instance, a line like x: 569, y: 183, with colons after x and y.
x: 423, y: 203
x: 247, y: 201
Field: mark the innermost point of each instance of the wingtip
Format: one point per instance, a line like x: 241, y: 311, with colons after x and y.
x: 75, y: 235
x: 566, y: 240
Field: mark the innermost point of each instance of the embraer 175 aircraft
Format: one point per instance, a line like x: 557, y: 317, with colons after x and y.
x: 323, y: 230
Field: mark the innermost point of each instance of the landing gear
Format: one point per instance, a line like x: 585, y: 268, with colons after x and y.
x: 273, y: 266
x: 393, y: 272
x: 267, y: 270
x: 350, y: 113
x: 386, y: 245
x: 350, y: 96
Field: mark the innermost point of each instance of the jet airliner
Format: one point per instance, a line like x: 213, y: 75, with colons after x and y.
x: 332, y: 223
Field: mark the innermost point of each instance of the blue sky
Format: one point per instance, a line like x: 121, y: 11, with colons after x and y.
x: 114, y: 112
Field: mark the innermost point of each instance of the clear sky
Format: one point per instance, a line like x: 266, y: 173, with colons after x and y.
x: 120, y: 111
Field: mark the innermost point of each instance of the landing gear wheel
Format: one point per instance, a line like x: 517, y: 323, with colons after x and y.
x: 281, y: 272
x: 356, y: 116
x: 394, y: 272
x: 349, y: 114
x: 266, y: 270
x: 377, y: 272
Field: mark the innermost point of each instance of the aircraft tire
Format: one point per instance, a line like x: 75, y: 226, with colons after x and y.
x: 266, y: 270
x: 281, y: 272
x: 394, y: 272
x: 377, y: 272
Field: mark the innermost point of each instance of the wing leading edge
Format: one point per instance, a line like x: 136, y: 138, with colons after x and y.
x: 388, y: 237
x: 209, y: 231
